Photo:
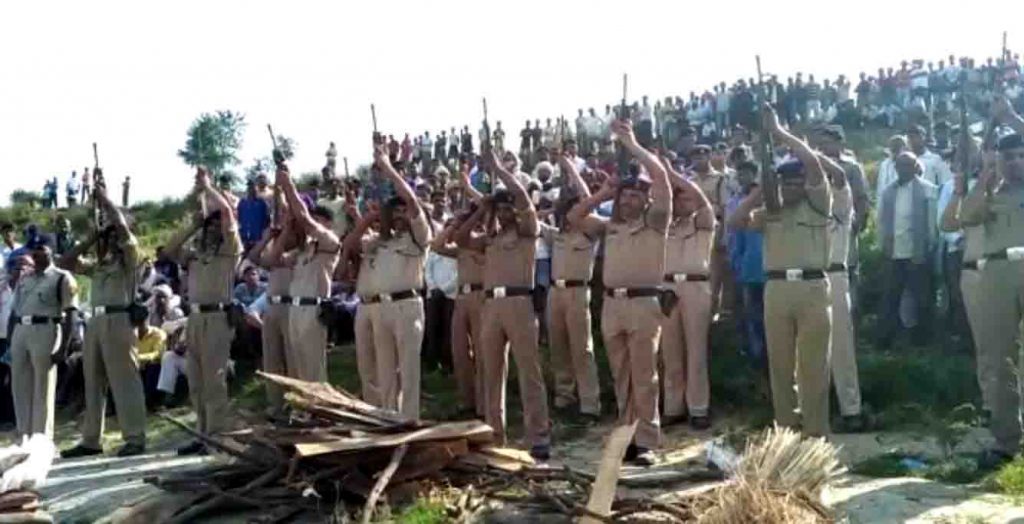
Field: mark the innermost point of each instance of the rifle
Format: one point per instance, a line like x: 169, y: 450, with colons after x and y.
x: 485, y: 146
x: 345, y: 160
x: 278, y: 156
x: 770, y: 183
x: 97, y: 177
x: 989, y: 141
x: 622, y: 155
x: 965, y: 132
x: 377, y: 137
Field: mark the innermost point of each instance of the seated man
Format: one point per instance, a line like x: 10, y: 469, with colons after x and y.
x: 150, y: 344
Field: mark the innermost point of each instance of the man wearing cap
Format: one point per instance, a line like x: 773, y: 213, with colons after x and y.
x: 211, y: 271
x: 312, y: 264
x: 509, y: 318
x: 996, y: 204
x: 398, y: 252
x: 797, y: 305
x: 43, y: 307
x: 634, y: 269
x: 717, y: 190
x: 109, y: 356
x: 684, y: 341
x: 572, y: 267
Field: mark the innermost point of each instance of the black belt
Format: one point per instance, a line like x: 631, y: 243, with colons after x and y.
x: 972, y: 265
x: 675, y: 278
x: 632, y: 292
x: 297, y: 301
x: 795, y: 274
x: 106, y: 310
x: 1004, y: 254
x: 466, y: 289
x: 210, y: 308
x: 836, y: 268
x: 508, y: 291
x: 28, y: 320
x: 391, y: 297
x: 562, y: 283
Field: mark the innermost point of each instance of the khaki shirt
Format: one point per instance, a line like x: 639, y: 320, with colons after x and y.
x: 47, y: 294
x: 114, y: 283
x: 634, y: 252
x: 839, y: 226
x: 715, y: 187
x: 974, y: 240
x: 367, y: 281
x: 798, y: 237
x: 688, y: 247
x: 312, y: 270
x: 279, y: 281
x: 509, y: 259
x: 395, y: 264
x: 470, y: 266
x: 1005, y: 226
x: 572, y: 253
x: 211, y: 276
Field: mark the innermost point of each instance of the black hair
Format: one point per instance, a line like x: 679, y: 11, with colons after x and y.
x: 748, y: 166
x: 322, y: 212
x: 6, y: 226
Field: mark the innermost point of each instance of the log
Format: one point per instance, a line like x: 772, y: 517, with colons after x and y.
x: 474, y: 431
x: 429, y: 458
x: 382, y: 482
x: 602, y: 491
x: 327, y: 395
x: 224, y: 446
x: 191, y: 513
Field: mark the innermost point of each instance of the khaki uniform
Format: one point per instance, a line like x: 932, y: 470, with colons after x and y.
x: 512, y: 321
x: 844, y: 348
x: 210, y: 282
x: 467, y: 329
x: 715, y: 187
x: 634, y: 257
x: 1002, y: 286
x: 366, y: 357
x: 572, y: 345
x: 276, y: 353
x: 33, y: 376
x: 109, y: 355
x: 971, y: 286
x: 798, y: 311
x: 684, y: 333
x: 398, y: 323
x: 312, y: 269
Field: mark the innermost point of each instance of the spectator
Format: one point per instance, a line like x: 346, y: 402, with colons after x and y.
x: 125, y: 189
x: 8, y: 281
x: 253, y: 216
x: 173, y: 362
x: 747, y: 262
x: 170, y: 270
x: 250, y: 288
x: 936, y: 171
x: 906, y: 228
x: 441, y: 275
x: 812, y: 94
x: 64, y: 238
x: 72, y: 189
x: 7, y: 244
x: 887, y: 169
x: 164, y: 306
x: 150, y: 345
x: 86, y: 186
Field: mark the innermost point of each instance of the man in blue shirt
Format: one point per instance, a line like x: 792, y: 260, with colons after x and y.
x: 745, y: 258
x: 253, y: 216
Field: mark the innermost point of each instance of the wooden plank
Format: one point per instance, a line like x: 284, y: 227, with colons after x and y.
x: 602, y: 491
x: 329, y: 395
x: 382, y: 482
x: 427, y: 458
x: 475, y: 431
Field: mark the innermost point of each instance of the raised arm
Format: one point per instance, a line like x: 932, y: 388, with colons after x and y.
x: 661, y: 191
x: 705, y: 213
x: 228, y: 221
x: 974, y: 210
x: 441, y: 244
x: 742, y: 216
x: 812, y: 165
x: 520, y: 196
x: 467, y: 185
x: 1003, y: 112
x: 328, y: 240
x: 581, y: 215
x: 353, y: 243
x: 412, y: 204
x: 464, y: 233
x: 259, y: 254
x: 570, y: 172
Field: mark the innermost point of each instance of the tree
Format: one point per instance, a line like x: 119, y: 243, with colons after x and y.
x: 214, y: 140
x: 26, y: 198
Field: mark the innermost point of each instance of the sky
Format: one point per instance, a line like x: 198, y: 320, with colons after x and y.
x: 132, y: 75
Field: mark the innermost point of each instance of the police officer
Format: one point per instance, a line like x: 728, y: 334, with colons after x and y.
x: 42, y: 313
x: 109, y: 355
x: 509, y: 318
x: 467, y: 326
x: 367, y: 285
x: 572, y: 268
x: 717, y: 189
x: 797, y: 302
x: 684, y: 341
x: 211, y: 266
x: 398, y: 253
x: 634, y: 268
x: 997, y: 206
x: 312, y: 264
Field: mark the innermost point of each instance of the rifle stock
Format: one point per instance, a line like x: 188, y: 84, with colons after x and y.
x: 622, y: 155
x: 768, y: 179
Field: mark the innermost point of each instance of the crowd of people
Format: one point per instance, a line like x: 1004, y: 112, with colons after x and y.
x: 642, y: 226
x: 77, y: 191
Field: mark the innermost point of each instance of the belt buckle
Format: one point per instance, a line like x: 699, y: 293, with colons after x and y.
x: 194, y: 308
x: 620, y: 292
x: 1015, y: 253
x: 499, y: 292
x: 467, y: 289
x: 794, y: 275
x: 384, y: 297
x: 560, y: 283
x: 26, y: 320
x: 99, y: 310
x: 981, y: 263
x: 679, y: 278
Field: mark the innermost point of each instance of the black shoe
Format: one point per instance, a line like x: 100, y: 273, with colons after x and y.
x: 631, y: 451
x: 193, y: 448
x: 851, y: 424
x: 80, y: 451
x: 644, y: 457
x: 700, y: 423
x: 541, y: 452
x: 131, y: 450
x: 993, y: 459
x: 672, y: 420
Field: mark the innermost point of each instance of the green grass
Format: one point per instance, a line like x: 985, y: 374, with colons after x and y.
x: 423, y: 511
x: 957, y: 469
x: 1010, y: 478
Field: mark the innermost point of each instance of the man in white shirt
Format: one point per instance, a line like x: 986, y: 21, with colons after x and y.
x: 7, y: 244
x: 645, y: 122
x: 936, y: 170
x: 886, y: 168
x: 441, y: 276
x: 72, y: 189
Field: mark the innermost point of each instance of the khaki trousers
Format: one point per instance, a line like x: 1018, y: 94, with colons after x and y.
x: 631, y: 328
x: 971, y: 287
x: 684, y: 351
x: 844, y: 349
x: 307, y: 337
x: 467, y: 329
x: 276, y: 353
x: 798, y: 325
x: 512, y: 322
x: 366, y: 357
x: 722, y: 283
x: 397, y: 339
x: 34, y: 377
x: 109, y: 357
x: 1002, y: 287
x: 209, y: 346
x: 572, y: 349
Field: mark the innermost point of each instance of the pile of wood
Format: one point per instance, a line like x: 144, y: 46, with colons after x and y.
x: 22, y: 506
